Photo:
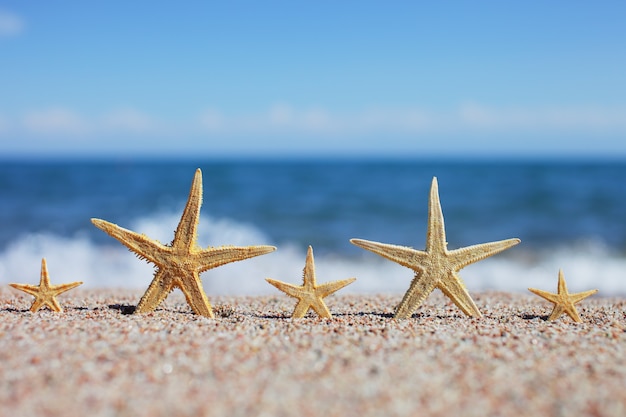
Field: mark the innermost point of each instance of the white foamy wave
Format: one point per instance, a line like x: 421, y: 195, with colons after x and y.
x: 585, y: 267
x: 588, y: 266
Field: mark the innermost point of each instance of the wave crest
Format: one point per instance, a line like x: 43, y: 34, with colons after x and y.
x: 586, y: 266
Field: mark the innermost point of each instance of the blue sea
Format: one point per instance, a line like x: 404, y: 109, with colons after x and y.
x: 569, y: 215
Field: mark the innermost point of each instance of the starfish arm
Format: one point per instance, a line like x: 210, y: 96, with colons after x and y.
x: 562, y: 285
x: 29, y: 289
x: 186, y: 232
x: 556, y: 312
x: 328, y: 288
x: 144, y: 247
x: 553, y: 298
x: 61, y: 288
x: 37, y: 304
x: 301, y: 308
x: 579, y: 296
x: 320, y: 307
x: 462, y: 257
x: 196, y: 296
x: 289, y: 289
x: 214, y: 257
x: 308, y: 274
x: 454, y: 289
x: 54, y: 305
x: 420, y: 288
x: 409, y: 257
x: 44, y: 278
x: 436, y: 232
x: 572, y: 312
x: 160, y: 287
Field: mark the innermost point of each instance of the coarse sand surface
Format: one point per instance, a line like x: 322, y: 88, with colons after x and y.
x: 96, y: 359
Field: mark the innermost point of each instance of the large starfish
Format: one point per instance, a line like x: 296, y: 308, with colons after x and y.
x: 45, y: 293
x: 309, y: 294
x: 563, y: 301
x: 436, y: 267
x: 179, y: 264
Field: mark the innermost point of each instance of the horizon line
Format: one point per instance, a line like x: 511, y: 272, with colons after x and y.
x: 316, y: 157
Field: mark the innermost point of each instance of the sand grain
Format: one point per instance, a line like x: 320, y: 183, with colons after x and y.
x: 253, y: 360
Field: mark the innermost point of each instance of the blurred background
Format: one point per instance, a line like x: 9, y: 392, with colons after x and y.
x: 313, y: 124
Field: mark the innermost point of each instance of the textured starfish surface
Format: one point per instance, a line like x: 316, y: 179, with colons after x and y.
x: 179, y: 264
x: 436, y: 267
x: 45, y: 293
x: 309, y: 294
x: 563, y: 301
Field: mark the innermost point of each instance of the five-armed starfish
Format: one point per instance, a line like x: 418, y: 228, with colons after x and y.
x: 436, y: 267
x: 563, y: 301
x: 45, y: 294
x: 179, y: 264
x: 309, y: 294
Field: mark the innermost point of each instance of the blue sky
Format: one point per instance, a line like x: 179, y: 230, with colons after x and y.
x: 356, y: 78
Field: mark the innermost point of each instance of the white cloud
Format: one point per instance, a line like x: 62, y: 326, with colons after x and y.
x: 285, y: 117
x: 547, y: 119
x: 394, y: 120
x: 211, y: 119
x: 282, y: 118
x: 317, y: 119
x: 281, y: 115
x: 276, y: 119
x: 54, y: 121
x: 4, y: 124
x: 129, y: 120
x: 62, y: 121
x: 10, y: 24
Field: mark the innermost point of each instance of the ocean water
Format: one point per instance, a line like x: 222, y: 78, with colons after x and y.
x: 569, y: 215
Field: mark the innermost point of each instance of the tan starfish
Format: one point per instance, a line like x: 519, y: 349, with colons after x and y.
x: 309, y: 294
x: 179, y: 264
x: 563, y: 301
x: 436, y: 267
x: 45, y: 293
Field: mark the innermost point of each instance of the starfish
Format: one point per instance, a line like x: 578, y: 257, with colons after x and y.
x: 563, y: 301
x: 179, y: 264
x: 45, y: 293
x: 309, y: 294
x: 436, y: 267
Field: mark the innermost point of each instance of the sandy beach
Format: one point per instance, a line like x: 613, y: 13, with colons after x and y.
x: 253, y: 360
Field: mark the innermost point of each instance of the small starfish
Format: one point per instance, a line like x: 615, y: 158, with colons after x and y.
x: 45, y: 293
x: 309, y: 294
x: 179, y: 264
x: 563, y: 301
x: 436, y: 267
